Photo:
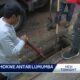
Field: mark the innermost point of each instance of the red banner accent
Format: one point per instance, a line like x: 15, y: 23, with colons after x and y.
x: 78, y: 2
x: 72, y: 1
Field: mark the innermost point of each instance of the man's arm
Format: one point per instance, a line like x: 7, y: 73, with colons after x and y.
x: 10, y: 47
x: 19, y: 46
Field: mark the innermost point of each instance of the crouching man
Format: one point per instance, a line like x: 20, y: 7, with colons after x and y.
x: 10, y: 44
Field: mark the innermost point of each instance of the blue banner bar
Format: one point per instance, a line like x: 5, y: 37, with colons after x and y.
x: 27, y: 67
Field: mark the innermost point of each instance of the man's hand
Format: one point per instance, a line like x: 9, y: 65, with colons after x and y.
x: 24, y: 38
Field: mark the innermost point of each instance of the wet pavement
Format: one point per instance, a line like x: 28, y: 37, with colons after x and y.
x: 36, y: 29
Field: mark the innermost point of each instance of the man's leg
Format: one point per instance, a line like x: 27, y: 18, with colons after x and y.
x: 75, y: 41
x: 70, y: 13
x: 59, y: 14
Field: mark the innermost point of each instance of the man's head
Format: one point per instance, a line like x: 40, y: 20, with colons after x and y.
x: 12, y: 12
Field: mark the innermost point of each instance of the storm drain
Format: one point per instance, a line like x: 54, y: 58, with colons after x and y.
x: 59, y: 45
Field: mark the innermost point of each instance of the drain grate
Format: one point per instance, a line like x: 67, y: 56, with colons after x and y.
x: 60, y: 45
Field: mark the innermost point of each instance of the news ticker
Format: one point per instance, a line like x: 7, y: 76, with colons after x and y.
x: 55, y: 68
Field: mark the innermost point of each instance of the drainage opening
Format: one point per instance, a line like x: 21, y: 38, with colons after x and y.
x: 62, y: 43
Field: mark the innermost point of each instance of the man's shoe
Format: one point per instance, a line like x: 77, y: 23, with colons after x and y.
x: 51, y: 26
x: 68, y: 55
x: 67, y: 24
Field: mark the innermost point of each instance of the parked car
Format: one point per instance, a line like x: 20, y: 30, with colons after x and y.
x: 29, y: 5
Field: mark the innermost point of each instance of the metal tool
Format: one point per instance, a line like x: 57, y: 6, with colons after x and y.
x: 58, y: 7
x: 35, y: 49
x: 57, y: 24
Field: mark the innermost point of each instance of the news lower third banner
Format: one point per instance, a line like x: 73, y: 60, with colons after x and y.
x: 54, y: 68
